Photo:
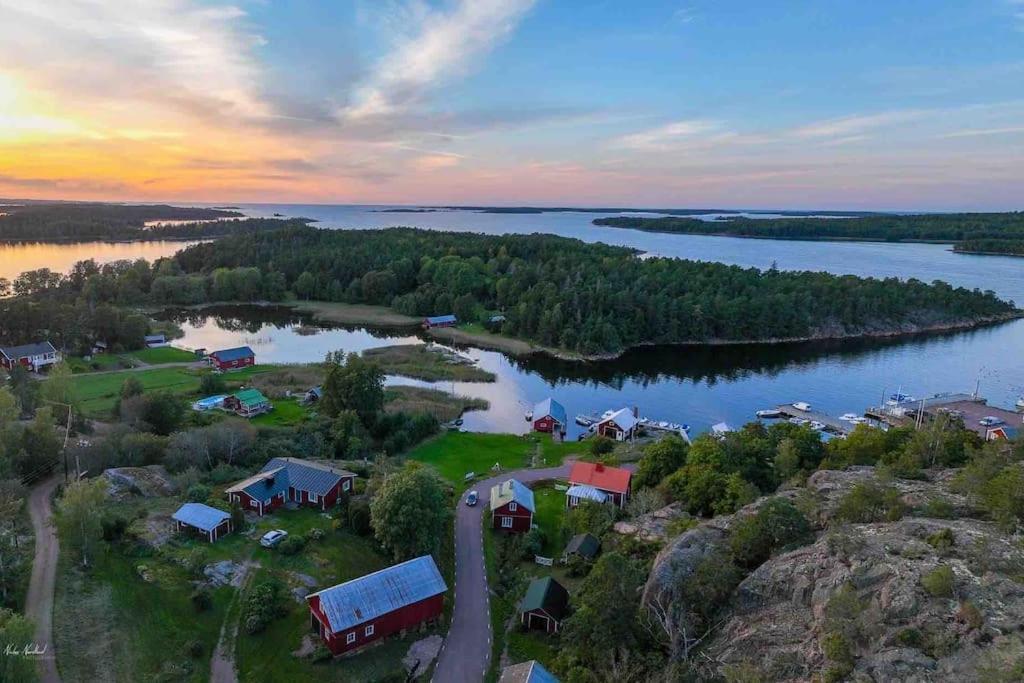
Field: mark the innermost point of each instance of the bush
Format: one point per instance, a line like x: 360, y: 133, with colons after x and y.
x: 601, y: 445
x: 942, y: 539
x: 114, y: 527
x: 198, y: 493
x: 577, y: 566
x: 195, y: 561
x: 359, y: 517
x: 320, y: 653
x: 910, y: 637
x: 970, y: 615
x: 194, y: 648
x: 533, y: 544
x: 264, y: 603
x: 212, y: 383
x: 292, y: 545
x: 938, y: 509
x: 314, y: 535
x: 939, y: 582
x: 870, y: 502
x: 776, y: 525
x: 202, y: 599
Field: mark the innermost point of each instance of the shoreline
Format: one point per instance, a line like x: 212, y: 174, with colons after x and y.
x: 779, y: 238
x: 985, y: 253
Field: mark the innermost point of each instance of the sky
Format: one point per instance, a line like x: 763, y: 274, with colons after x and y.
x: 900, y: 105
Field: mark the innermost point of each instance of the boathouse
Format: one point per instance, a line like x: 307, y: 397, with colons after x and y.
x: 232, y: 359
x: 549, y: 416
x: 620, y: 425
x: 431, y: 322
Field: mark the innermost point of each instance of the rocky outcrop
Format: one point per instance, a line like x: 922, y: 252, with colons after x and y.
x: 151, y: 481
x: 654, y: 526
x: 777, y: 618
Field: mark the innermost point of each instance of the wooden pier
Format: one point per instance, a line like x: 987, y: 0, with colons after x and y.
x: 832, y: 424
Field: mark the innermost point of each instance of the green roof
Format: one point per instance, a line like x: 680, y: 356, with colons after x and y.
x: 548, y: 595
x: 585, y: 545
x: 250, y: 397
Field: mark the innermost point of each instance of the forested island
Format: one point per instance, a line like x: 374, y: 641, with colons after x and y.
x: 620, y: 209
x: 953, y: 227
x: 991, y: 246
x: 63, y: 222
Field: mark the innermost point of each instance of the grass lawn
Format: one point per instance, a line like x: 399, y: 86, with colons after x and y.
x: 419, y: 362
x: 286, y: 413
x: 163, y: 354
x: 454, y: 454
x: 548, y: 516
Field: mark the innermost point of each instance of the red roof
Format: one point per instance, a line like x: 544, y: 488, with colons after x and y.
x: 600, y: 476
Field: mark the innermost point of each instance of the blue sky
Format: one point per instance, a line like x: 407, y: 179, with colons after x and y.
x: 898, y: 105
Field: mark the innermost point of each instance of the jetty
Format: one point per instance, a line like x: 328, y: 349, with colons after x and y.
x: 832, y: 424
x: 974, y: 410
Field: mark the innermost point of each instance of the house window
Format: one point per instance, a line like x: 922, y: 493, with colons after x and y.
x: 350, y: 638
x: 253, y: 503
x: 512, y: 507
x: 346, y: 485
x: 506, y: 522
x: 574, y: 501
x: 313, y: 498
x: 369, y: 631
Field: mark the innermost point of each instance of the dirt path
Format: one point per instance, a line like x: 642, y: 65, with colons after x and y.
x: 222, y: 663
x: 39, y: 602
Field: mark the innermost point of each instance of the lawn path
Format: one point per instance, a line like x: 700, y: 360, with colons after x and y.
x: 222, y: 663
x: 39, y: 602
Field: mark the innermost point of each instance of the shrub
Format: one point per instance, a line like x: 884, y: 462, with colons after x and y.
x: 202, y: 599
x: 577, y: 566
x: 776, y: 525
x: 942, y: 539
x: 320, y: 653
x: 970, y: 615
x: 113, y: 527
x: 910, y: 637
x: 195, y: 561
x: 194, y: 648
x: 263, y: 604
x: 533, y: 544
x: 212, y: 383
x: 938, y: 509
x: 292, y: 545
x: 198, y: 493
x: 359, y: 517
x: 315, y: 534
x: 843, y: 613
x: 939, y: 582
x: 601, y: 445
x: 870, y: 502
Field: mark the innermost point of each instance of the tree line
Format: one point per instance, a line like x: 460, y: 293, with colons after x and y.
x: 1009, y: 247
x: 591, y: 298
x: 58, y: 222
x: 953, y: 227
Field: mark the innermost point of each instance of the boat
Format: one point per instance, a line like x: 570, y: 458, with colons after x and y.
x: 798, y: 421
x: 1020, y: 403
x: 849, y: 417
x: 768, y: 413
x: 817, y: 426
x: 584, y: 420
x: 663, y: 425
x: 898, y: 398
x: 859, y: 420
x: 608, y: 413
x: 802, y: 406
x: 458, y: 422
x: 529, y: 416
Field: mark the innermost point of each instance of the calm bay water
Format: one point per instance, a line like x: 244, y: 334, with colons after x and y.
x: 696, y: 386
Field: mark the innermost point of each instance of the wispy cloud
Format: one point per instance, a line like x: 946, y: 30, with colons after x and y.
x: 668, y: 134
x: 979, y: 132
x: 447, y: 45
x: 847, y: 126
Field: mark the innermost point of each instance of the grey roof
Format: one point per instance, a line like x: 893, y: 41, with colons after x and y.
x: 527, y: 672
x: 37, y: 349
x: 623, y: 417
x: 585, y: 545
x: 155, y: 337
x: 201, y: 516
x: 225, y: 355
x: 304, y: 475
x: 509, y: 491
x: 366, y: 598
x: 316, y: 391
x: 264, y: 485
x: 441, y: 319
x: 550, y: 406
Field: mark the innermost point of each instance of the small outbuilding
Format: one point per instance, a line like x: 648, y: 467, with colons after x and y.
x: 210, y: 522
x: 155, y: 341
x: 586, y: 546
x: 527, y: 672
x: 433, y: 321
x: 232, y: 359
x: 314, y: 395
x: 248, y: 403
x: 512, y: 507
x: 620, y: 425
x: 545, y: 606
x: 549, y: 416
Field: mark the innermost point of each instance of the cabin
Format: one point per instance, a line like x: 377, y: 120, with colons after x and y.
x: 613, y: 482
x: 545, y: 606
x: 35, y: 357
x: 549, y: 417
x: 208, y: 522
x: 512, y: 507
x: 294, y: 480
x: 431, y: 322
x: 248, y: 403
x: 155, y: 341
x: 356, y: 613
x: 619, y: 426
x: 531, y: 671
x: 314, y: 395
x: 232, y: 359
x: 586, y: 546
x: 99, y: 346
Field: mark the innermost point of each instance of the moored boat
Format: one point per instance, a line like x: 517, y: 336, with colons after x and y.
x: 768, y: 413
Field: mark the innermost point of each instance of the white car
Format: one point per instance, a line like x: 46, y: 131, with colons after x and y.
x: 990, y: 421
x: 272, y: 538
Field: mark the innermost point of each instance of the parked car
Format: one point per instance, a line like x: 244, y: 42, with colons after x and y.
x: 472, y: 498
x: 990, y: 421
x: 272, y: 538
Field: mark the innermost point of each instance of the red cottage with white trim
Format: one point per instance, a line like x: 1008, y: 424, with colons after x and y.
x: 307, y: 483
x: 512, y: 507
x: 613, y: 481
x: 232, y: 359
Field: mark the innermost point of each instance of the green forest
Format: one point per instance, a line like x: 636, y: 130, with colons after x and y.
x: 590, y: 298
x: 66, y: 222
x: 950, y: 227
x: 991, y: 246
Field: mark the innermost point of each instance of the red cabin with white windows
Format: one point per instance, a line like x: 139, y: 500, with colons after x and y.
x: 232, y: 359
x: 512, y: 507
x: 281, y: 480
x: 612, y: 482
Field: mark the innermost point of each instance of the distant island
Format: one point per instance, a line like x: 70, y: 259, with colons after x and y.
x: 407, y: 210
x: 664, y: 212
x: 1001, y: 233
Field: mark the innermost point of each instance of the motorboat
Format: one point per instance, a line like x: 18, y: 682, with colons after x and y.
x: 798, y: 421
x: 817, y: 426
x: 529, y: 416
x: 859, y: 420
x: 802, y: 406
x: 768, y: 413
x: 584, y: 420
x: 898, y: 398
x: 664, y: 425
x: 1020, y: 403
x: 849, y: 417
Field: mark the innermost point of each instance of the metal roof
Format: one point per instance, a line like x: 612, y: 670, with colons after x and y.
x: 623, y: 417
x: 441, y: 319
x: 368, y: 597
x: 225, y: 355
x: 266, y: 484
x: 585, y: 492
x: 548, y: 595
x: 201, y: 516
x: 527, y: 672
x: 550, y: 406
x: 250, y: 397
x: 37, y: 349
x: 308, y: 476
x: 586, y: 545
x: 511, y: 490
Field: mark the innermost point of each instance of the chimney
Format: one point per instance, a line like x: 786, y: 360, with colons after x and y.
x: 636, y: 411
x: 599, y: 467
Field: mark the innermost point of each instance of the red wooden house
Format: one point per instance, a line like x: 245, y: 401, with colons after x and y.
x: 512, y: 507
x: 32, y: 356
x: 549, y: 416
x: 620, y: 425
x: 545, y: 605
x: 354, y: 614
x: 232, y: 359
x: 291, y: 479
x: 613, y: 482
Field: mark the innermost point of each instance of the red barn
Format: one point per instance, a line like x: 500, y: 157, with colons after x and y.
x: 549, y: 416
x: 291, y: 479
x: 440, y: 321
x: 232, y: 359
x: 545, y: 605
x: 354, y: 614
x: 614, y: 482
x: 512, y: 507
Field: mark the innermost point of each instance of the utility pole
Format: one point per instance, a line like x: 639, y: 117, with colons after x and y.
x: 67, y: 433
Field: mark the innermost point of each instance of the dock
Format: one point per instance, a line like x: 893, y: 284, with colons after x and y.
x: 974, y: 410
x: 832, y: 424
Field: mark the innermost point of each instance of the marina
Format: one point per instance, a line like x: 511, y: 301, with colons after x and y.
x: 989, y: 422
x: 818, y: 421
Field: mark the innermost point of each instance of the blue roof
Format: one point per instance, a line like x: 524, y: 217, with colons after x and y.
x: 512, y: 490
x: 233, y: 354
x: 308, y: 476
x: 360, y: 600
x: 527, y: 672
x: 201, y: 516
x: 441, y: 319
x: 550, y: 406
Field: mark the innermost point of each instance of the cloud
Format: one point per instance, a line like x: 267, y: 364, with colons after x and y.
x: 979, y: 132
x: 847, y: 126
x: 447, y: 45
x: 666, y: 135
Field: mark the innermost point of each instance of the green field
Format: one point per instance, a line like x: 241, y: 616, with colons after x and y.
x: 116, y: 361
x: 164, y: 354
x: 286, y: 412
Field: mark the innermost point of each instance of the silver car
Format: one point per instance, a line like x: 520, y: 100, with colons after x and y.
x: 272, y: 538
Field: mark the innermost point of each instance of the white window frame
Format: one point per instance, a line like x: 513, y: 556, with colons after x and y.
x: 368, y: 631
x: 346, y: 484
x: 350, y: 638
x: 254, y: 503
x: 506, y: 522
x: 512, y: 507
x: 574, y: 501
x: 313, y: 498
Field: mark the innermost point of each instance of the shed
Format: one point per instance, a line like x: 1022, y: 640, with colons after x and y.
x: 155, y: 340
x: 213, y: 523
x: 355, y: 613
x: 314, y: 394
x: 545, y: 605
x: 549, y: 416
x: 620, y: 425
x: 527, y: 672
x: 248, y: 403
x: 440, y: 321
x: 585, y: 545
x: 512, y: 507
x: 232, y: 359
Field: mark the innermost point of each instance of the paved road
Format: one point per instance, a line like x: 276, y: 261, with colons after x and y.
x: 466, y: 653
x: 39, y: 602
